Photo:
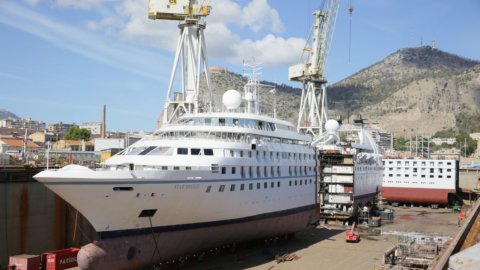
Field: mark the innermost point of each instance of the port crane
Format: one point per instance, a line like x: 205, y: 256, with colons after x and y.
x: 190, y: 57
x: 313, y: 105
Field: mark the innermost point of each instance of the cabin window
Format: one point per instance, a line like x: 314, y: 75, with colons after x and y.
x: 148, y: 150
x: 242, y: 172
x: 224, y: 170
x: 272, y: 184
x: 232, y: 187
x: 221, y: 121
x: 208, y: 152
x: 278, y: 171
x: 176, y: 168
x: 221, y: 188
x: 265, y: 185
x: 182, y: 151
x: 234, y: 170
x: 208, y: 189
x: 123, y: 189
x: 242, y: 186
x: 195, y: 151
x: 278, y: 184
x: 258, y: 185
x: 250, y: 172
x: 250, y: 186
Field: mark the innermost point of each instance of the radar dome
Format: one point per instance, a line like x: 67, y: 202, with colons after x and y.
x: 232, y: 99
x: 331, y: 125
x: 249, y: 97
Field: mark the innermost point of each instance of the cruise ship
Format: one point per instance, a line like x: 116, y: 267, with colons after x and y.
x: 208, y: 176
x: 351, y: 169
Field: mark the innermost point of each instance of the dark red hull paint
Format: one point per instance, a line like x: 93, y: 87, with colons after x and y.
x: 133, y: 252
x: 416, y: 195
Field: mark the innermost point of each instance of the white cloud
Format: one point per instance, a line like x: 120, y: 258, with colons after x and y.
x: 82, y: 4
x: 31, y: 2
x: 79, y: 41
x: 270, y: 51
x: 258, y: 14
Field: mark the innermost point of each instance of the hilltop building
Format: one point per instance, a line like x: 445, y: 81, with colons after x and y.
x: 61, y: 127
x: 95, y: 128
x: 384, y: 139
x: 26, y: 123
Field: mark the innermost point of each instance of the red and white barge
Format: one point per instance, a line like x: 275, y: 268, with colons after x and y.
x: 425, y: 181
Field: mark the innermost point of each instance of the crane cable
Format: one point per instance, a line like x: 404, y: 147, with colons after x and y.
x: 350, y: 11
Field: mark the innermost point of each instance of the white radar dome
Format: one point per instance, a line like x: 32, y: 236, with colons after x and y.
x: 232, y: 99
x: 249, y: 97
x: 331, y: 125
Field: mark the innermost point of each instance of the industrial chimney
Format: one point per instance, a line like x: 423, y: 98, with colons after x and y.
x: 103, y: 132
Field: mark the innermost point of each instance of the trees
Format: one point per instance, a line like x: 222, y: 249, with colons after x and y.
x: 78, y: 134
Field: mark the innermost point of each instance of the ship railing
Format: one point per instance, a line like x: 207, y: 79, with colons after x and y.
x: 126, y: 167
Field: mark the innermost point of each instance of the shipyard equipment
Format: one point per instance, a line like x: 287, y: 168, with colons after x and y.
x: 311, y: 72
x: 352, y: 235
x: 190, y: 57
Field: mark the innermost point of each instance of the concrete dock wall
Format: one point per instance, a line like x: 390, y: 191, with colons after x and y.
x: 33, y: 219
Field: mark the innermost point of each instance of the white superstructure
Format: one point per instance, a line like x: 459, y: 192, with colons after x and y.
x: 419, y: 180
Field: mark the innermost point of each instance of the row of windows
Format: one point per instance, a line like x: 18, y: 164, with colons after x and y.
x: 264, y: 171
x: 422, y: 176
x: 259, y: 185
x: 432, y: 170
x: 407, y: 182
x: 422, y: 163
x: 242, y: 153
x: 229, y: 136
x: 239, y: 122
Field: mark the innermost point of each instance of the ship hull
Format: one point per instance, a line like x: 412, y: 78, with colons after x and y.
x: 416, y: 195
x: 131, y: 250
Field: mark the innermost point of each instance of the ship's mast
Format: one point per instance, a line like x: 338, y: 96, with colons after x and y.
x: 313, y: 105
x: 190, y: 56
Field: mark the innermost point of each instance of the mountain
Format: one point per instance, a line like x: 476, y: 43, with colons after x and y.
x: 6, y: 114
x: 287, y: 97
x: 420, y: 90
x: 413, y: 90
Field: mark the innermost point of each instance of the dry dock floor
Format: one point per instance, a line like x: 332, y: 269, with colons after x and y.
x: 325, y: 248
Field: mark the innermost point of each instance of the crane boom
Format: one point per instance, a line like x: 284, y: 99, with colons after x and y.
x: 313, y: 105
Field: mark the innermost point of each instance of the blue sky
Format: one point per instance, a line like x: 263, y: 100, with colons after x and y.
x: 61, y: 60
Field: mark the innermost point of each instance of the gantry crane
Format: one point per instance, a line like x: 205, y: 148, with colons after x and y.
x: 191, y: 53
x: 313, y: 106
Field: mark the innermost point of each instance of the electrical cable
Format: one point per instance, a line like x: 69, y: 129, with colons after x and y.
x: 154, y: 240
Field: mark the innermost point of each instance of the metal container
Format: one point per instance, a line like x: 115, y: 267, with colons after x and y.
x: 24, y: 262
x: 61, y: 259
x: 374, y: 222
x: 386, y: 215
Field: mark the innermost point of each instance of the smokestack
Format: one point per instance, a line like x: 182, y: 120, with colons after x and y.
x: 104, y: 123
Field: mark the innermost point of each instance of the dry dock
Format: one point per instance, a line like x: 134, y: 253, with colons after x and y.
x: 325, y: 248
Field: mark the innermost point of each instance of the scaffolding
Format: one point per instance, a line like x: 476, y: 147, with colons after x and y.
x: 413, y: 251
